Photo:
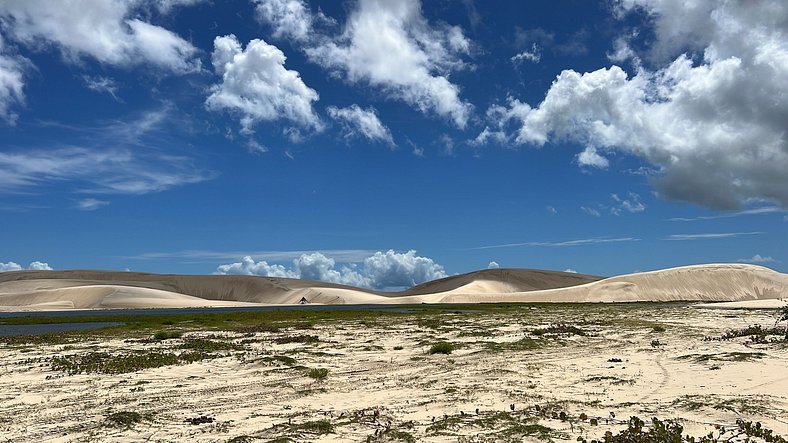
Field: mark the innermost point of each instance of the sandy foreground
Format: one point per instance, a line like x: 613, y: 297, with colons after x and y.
x: 383, y: 385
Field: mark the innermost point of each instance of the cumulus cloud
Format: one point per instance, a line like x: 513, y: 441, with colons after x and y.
x: 570, y: 270
x: 381, y: 270
x: 533, y: 55
x: 757, y: 258
x: 33, y: 266
x: 288, y: 18
x: 12, y: 71
x: 111, y: 32
x: 706, y: 116
x: 256, y: 85
x: 390, y: 45
x: 493, y: 265
x: 361, y: 123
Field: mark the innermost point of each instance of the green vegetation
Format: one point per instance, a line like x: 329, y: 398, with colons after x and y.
x: 524, y: 344
x: 167, y: 335
x: 127, y: 419
x: 205, y: 345
x: 559, y: 329
x: 318, y: 374
x: 297, y: 339
x: 723, y: 356
x: 318, y: 427
x: 441, y: 347
x: 289, y: 361
x: 672, y: 431
x: 105, y: 363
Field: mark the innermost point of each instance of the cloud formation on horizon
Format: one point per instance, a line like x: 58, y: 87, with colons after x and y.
x: 381, y: 270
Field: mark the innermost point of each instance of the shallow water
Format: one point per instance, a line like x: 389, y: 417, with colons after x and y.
x: 14, y: 330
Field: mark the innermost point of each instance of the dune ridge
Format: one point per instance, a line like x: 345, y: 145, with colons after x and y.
x: 83, y: 289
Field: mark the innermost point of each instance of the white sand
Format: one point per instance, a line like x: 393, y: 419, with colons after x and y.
x: 384, y: 365
x: 707, y: 283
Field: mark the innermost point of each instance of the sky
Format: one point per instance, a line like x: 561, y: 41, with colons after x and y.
x: 385, y: 143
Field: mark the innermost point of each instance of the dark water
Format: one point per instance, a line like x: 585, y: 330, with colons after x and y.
x: 170, y: 311
x: 13, y: 330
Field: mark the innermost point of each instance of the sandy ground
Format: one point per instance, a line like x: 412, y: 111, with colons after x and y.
x: 623, y: 367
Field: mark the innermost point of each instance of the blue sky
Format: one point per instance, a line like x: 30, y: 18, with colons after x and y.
x: 331, y: 139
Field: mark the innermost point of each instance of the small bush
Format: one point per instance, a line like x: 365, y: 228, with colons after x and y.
x: 318, y: 373
x: 167, y: 335
x: 204, y: 345
x: 441, y: 347
x: 658, y: 329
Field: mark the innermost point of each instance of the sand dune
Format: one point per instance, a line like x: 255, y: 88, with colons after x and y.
x: 107, y: 289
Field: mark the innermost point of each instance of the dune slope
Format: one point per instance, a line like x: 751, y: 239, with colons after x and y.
x: 107, y: 289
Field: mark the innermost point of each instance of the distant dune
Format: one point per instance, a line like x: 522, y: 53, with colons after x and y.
x: 109, y: 289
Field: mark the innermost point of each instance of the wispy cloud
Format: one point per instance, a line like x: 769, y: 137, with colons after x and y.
x: 758, y: 258
x: 90, y: 204
x: 579, y: 242
x: 753, y: 211
x: 682, y: 237
x: 340, y: 255
x: 116, y: 157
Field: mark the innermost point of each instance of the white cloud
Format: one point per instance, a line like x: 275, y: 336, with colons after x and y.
x: 12, y: 72
x: 102, y: 85
x: 115, y: 157
x: 590, y: 211
x: 570, y: 270
x: 256, y: 84
x: 631, y: 203
x: 713, y: 235
x: 361, y: 122
x: 390, y: 45
x: 288, y: 18
x: 753, y: 211
x: 493, y: 265
x: 552, y: 210
x: 448, y: 144
x: 342, y: 255
x: 10, y: 266
x: 757, y: 258
x: 590, y: 157
x: 534, y: 55
x: 579, y: 242
x: 380, y: 270
x: 34, y: 266
x: 709, y: 122
x: 110, y: 31
x: 90, y: 204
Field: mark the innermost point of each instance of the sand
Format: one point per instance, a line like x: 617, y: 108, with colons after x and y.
x: 613, y: 372
x: 107, y: 290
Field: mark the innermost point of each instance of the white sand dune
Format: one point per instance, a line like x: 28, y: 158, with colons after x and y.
x: 72, y: 296
x: 105, y: 290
